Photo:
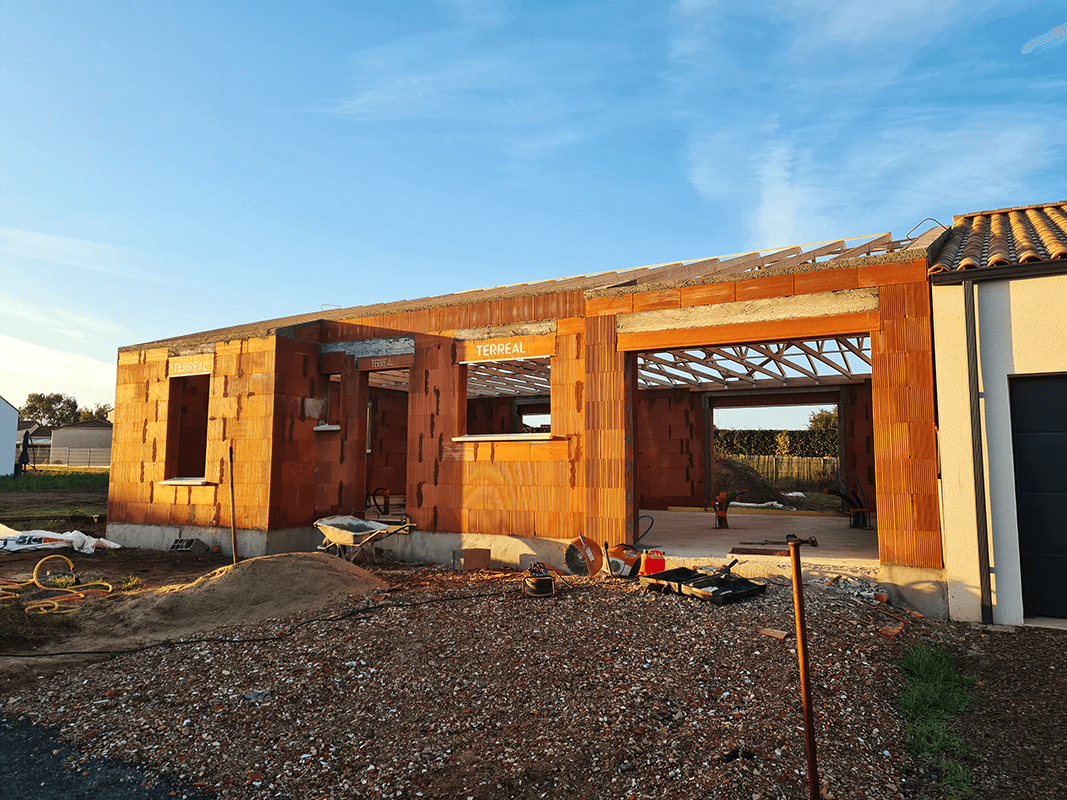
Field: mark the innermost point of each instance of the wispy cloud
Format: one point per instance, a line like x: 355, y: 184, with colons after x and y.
x: 858, y: 21
x: 1056, y: 33
x: 27, y: 367
x: 481, y: 13
x: 916, y: 165
x: 99, y: 257
x: 527, y: 98
x: 78, y: 324
x: 444, y: 76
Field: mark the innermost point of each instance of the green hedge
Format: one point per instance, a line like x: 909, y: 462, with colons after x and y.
x: 810, y: 443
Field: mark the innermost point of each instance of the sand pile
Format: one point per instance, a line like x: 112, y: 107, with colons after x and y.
x: 733, y: 476
x: 248, y: 592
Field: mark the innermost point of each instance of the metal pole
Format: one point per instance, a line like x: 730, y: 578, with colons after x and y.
x: 805, y: 680
x: 977, y: 457
x: 233, y: 511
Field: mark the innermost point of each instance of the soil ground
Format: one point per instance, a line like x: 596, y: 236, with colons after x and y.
x: 1016, y: 745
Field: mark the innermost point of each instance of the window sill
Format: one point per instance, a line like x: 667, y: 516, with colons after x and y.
x: 324, y: 428
x: 506, y: 437
x: 186, y: 482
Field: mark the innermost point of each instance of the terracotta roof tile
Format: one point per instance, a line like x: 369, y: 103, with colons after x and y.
x: 1005, y: 237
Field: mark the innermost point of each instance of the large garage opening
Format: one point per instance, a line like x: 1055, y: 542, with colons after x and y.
x: 718, y: 429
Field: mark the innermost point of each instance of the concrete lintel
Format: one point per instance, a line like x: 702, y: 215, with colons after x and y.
x: 540, y: 328
x: 365, y: 348
x: 769, y: 309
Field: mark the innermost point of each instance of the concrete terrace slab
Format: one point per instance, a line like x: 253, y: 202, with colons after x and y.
x: 691, y: 539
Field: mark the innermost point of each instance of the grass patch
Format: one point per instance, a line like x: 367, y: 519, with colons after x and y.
x: 131, y: 583
x: 60, y: 582
x: 44, y: 479
x: 932, y: 695
x: 19, y: 628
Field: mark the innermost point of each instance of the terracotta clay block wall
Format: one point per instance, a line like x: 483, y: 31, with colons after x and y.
x: 670, y: 448
x: 139, y: 439
x: 450, y: 486
x: 858, y: 422
x: 341, y: 456
x: 904, y: 435
x: 487, y: 415
x: 905, y: 454
x: 295, y: 443
x: 609, y: 479
x: 387, y: 460
x: 240, y: 410
x: 530, y: 488
x: 435, y: 402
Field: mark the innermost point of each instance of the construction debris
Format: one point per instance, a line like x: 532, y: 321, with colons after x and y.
x: 12, y: 541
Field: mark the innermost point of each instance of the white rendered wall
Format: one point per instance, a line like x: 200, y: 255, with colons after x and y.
x: 9, y: 431
x: 1022, y: 329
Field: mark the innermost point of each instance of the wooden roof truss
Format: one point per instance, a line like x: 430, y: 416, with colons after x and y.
x: 808, y: 362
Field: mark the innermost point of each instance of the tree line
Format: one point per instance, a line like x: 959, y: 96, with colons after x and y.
x: 58, y: 409
x: 818, y: 441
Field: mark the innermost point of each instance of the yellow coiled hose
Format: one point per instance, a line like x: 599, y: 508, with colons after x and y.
x: 60, y: 604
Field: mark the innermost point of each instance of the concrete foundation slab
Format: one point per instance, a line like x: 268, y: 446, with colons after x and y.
x: 250, y: 544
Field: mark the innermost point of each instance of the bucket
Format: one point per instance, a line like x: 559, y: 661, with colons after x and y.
x: 652, y: 561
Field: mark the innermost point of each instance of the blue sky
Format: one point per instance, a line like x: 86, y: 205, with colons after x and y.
x: 171, y: 167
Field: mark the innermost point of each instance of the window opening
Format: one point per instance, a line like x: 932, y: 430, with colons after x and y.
x: 187, y: 419
x: 509, y: 397
x: 333, y: 401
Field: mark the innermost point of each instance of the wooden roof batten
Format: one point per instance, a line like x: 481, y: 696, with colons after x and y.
x: 634, y: 278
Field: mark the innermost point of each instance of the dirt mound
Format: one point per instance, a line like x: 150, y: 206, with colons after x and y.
x: 248, y: 592
x: 733, y: 476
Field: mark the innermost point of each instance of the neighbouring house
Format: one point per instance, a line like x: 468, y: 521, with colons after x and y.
x: 536, y: 412
x: 82, y: 443
x: 9, y: 420
x: 999, y: 287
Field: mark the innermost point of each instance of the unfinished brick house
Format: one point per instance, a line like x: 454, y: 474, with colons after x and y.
x: 538, y: 411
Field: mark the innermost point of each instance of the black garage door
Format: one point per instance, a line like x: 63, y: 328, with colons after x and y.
x: 1039, y: 439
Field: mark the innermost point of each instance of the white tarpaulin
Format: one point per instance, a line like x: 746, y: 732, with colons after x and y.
x: 12, y: 541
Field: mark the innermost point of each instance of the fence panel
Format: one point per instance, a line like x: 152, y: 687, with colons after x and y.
x: 81, y: 456
x: 793, y: 473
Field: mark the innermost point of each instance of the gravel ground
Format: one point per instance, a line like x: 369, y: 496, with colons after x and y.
x: 1018, y: 747
x: 456, y: 686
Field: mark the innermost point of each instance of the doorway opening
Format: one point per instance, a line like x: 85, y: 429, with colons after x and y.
x: 387, y: 445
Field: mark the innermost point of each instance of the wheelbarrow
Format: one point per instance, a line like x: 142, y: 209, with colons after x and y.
x: 349, y: 537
